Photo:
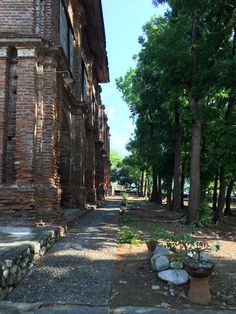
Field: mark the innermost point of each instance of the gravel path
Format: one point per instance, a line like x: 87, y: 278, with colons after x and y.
x: 77, y: 270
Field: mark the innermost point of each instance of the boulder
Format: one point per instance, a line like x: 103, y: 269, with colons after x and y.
x: 162, y: 251
x: 176, y: 277
x: 159, y: 262
x: 153, y: 259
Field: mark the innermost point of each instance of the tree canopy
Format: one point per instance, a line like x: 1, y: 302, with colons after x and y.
x: 182, y: 96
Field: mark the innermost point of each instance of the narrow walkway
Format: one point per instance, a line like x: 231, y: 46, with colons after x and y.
x: 77, y: 270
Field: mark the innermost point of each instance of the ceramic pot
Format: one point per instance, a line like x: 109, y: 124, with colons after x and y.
x: 198, y: 269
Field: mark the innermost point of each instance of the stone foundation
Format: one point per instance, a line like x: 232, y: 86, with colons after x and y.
x: 17, y: 260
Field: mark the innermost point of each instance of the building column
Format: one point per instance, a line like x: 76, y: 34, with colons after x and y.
x: 25, y: 116
x: 90, y: 167
x: 3, y: 109
x: 78, y: 150
x: 48, y: 190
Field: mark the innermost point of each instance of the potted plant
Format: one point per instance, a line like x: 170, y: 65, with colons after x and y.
x: 195, y: 263
x: 188, y: 250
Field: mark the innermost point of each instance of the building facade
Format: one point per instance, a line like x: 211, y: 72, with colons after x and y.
x: 54, y: 135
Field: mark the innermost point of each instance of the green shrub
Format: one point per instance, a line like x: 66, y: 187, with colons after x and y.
x: 124, y: 199
x: 129, y: 235
x: 205, y: 213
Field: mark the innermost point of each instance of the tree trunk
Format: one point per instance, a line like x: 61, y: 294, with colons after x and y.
x: 228, y: 198
x: 159, y: 192
x: 214, y: 197
x: 156, y: 188
x: 195, y: 106
x: 182, y: 190
x: 228, y: 115
x: 141, y: 191
x: 168, y: 196
x: 195, y: 185
x: 221, y: 199
x: 154, y: 185
x: 176, y: 206
x: 145, y: 187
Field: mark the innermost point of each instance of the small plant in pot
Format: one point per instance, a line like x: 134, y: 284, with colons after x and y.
x: 189, y: 251
x: 196, y: 263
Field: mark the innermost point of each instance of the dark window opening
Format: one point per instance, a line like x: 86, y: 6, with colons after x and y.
x: 66, y: 34
x: 84, y: 83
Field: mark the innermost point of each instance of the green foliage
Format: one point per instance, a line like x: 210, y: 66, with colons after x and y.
x: 125, y: 199
x: 115, y: 159
x: 205, y: 212
x: 129, y: 235
x: 127, y: 173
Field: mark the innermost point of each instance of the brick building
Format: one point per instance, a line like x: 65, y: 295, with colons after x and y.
x: 54, y: 136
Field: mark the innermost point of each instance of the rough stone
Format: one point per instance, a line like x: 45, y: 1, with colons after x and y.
x: 8, y: 262
x: 5, y: 273
x: 13, y: 270
x: 176, y: 277
x: 162, y: 251
x: 161, y: 262
x: 42, y: 251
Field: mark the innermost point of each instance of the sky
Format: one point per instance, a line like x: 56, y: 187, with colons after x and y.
x: 123, y: 25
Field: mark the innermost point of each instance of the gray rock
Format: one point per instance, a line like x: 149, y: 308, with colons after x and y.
x: 5, y: 273
x: 205, y: 256
x: 8, y: 262
x: 177, y: 276
x: 155, y: 287
x: 13, y: 270
x: 161, y: 263
x: 183, y: 295
x: 153, y: 259
x: 165, y: 305
x: 162, y: 251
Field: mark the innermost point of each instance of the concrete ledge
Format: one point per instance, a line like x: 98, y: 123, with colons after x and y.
x: 159, y: 310
x: 19, y: 249
x: 8, y: 307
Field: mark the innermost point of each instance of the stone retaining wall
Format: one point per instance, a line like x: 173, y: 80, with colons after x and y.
x: 17, y: 259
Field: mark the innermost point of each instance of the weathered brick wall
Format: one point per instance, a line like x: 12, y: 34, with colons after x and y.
x: 48, y: 134
x: 4, y: 77
x: 17, y: 17
x: 10, y: 170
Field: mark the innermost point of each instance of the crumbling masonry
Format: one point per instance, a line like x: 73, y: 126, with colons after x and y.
x: 54, y: 136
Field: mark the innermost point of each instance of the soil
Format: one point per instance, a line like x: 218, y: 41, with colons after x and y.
x: 135, y: 283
